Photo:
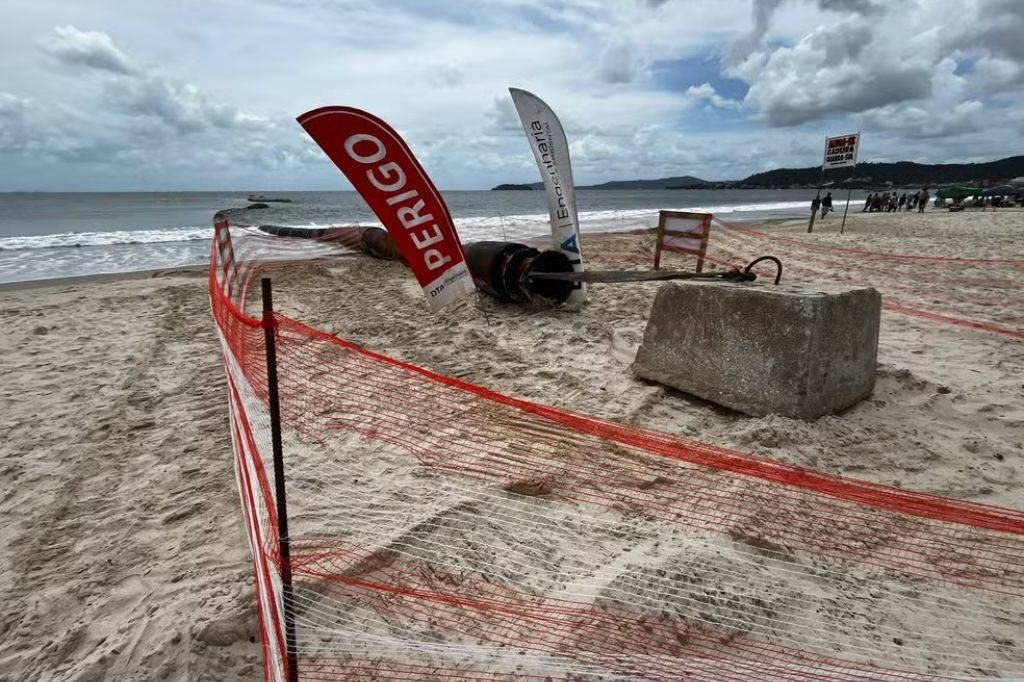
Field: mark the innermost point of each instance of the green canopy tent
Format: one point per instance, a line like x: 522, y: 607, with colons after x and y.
x: 958, y: 192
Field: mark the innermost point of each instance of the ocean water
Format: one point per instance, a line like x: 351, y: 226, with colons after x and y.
x: 45, y: 235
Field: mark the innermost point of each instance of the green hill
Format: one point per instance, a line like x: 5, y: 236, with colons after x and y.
x: 901, y: 173
x: 865, y: 175
x: 661, y: 183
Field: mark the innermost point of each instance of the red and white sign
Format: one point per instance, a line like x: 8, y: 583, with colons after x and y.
x: 383, y: 170
x: 841, y: 151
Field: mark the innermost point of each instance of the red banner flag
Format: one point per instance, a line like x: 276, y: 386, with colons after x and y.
x: 383, y: 170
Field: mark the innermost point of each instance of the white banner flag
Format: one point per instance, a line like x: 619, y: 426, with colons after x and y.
x: 841, y: 151
x: 550, y: 148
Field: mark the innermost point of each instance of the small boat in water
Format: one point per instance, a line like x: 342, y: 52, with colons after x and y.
x: 261, y: 198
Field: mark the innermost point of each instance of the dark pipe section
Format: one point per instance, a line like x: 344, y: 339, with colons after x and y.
x: 379, y: 244
x: 488, y: 262
x: 297, y: 232
x: 371, y: 240
x: 502, y: 270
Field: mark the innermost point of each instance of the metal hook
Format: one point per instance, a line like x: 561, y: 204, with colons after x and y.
x: 778, y: 265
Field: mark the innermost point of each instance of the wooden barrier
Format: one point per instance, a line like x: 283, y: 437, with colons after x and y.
x: 683, y: 232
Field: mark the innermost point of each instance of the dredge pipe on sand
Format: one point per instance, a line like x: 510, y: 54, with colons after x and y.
x: 502, y: 270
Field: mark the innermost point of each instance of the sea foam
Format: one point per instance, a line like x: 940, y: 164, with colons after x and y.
x: 470, y: 228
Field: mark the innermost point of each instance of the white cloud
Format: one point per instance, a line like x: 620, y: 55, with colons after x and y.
x: 145, y: 123
x: 996, y: 27
x: 705, y: 92
x: 916, y: 122
x: 502, y: 117
x: 179, y: 105
x: 448, y: 75
x: 950, y: 110
x: 992, y: 74
x: 91, y: 49
x: 201, y: 95
x: 12, y: 108
x: 620, y: 63
x: 859, y: 6
x: 13, y: 122
x: 833, y: 71
x: 744, y: 46
x: 893, y: 65
x: 134, y: 91
x: 590, y: 149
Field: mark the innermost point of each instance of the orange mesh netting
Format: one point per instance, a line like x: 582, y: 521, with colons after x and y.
x: 980, y: 293
x: 441, y: 531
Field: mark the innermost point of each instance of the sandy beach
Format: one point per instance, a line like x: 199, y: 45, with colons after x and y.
x: 125, y: 555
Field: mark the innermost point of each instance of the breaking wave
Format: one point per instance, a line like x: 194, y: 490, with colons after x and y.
x: 486, y: 227
x: 78, y: 239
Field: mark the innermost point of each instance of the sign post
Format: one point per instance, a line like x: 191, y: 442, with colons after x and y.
x: 849, y: 191
x: 815, y: 204
x: 841, y: 152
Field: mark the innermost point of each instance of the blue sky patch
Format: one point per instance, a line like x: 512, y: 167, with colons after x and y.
x: 964, y: 66
x: 678, y: 74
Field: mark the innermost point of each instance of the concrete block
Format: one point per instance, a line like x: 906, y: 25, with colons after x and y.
x: 801, y: 351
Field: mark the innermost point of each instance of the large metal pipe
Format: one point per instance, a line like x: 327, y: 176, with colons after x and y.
x: 372, y: 240
x: 511, y: 272
x: 501, y: 270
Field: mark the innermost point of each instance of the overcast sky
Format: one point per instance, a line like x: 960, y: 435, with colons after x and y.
x: 202, y: 94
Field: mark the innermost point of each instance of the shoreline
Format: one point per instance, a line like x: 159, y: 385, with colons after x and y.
x: 823, y: 230
x: 181, y: 233
x: 104, y: 277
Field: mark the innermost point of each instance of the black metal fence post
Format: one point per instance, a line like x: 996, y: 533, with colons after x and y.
x: 270, y: 334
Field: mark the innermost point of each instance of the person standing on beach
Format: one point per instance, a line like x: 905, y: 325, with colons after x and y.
x: 903, y: 200
x: 922, y: 200
x: 826, y: 204
x: 867, y: 202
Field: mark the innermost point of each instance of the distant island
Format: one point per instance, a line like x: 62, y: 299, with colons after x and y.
x: 864, y: 176
x: 661, y: 183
